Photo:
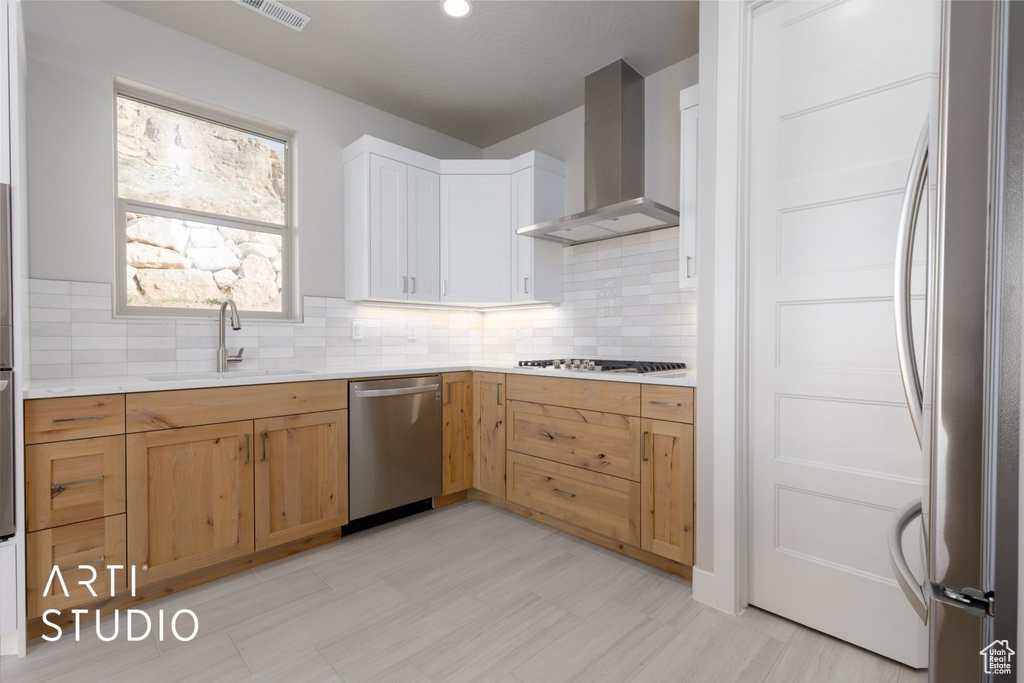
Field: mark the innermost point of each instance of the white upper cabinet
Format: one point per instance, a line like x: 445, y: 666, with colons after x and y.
x: 476, y: 238
x: 431, y: 230
x: 688, y: 116
x: 538, y: 195
x: 424, y: 235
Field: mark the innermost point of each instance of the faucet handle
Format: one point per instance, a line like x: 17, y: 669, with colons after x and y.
x: 237, y: 358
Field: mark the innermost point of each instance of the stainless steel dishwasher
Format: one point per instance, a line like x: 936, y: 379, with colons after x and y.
x: 394, y: 450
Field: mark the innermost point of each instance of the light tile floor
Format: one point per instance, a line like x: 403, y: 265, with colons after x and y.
x: 471, y: 593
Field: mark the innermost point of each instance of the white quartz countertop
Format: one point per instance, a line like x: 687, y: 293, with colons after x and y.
x: 89, y: 386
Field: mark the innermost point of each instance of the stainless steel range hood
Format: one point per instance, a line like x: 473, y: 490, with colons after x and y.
x: 613, y: 161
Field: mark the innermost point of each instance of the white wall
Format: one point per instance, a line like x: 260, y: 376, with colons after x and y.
x: 562, y: 138
x: 75, y: 51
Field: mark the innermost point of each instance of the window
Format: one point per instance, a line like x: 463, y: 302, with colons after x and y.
x: 202, y: 211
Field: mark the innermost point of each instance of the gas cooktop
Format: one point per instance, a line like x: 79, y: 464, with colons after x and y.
x: 594, y: 365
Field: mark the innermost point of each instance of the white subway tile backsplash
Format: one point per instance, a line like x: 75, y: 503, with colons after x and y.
x: 621, y: 301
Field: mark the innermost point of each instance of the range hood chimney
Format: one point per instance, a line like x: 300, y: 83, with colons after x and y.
x: 613, y: 161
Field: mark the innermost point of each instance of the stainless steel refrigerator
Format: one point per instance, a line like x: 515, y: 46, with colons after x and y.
x: 6, y: 370
x: 964, y: 198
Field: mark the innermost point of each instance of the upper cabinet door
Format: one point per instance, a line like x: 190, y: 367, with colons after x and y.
x: 476, y: 238
x: 538, y: 195
x: 424, y: 251
x: 522, y: 252
x: 688, y: 116
x: 389, y: 221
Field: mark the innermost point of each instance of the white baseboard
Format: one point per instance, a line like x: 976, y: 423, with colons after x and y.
x: 704, y: 587
x: 9, y: 643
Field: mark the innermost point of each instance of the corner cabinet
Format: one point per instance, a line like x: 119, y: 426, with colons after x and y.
x: 420, y: 229
x: 489, y: 433
x: 689, y: 108
x: 457, y: 432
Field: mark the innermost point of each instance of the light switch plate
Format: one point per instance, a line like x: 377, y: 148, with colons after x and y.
x: 357, y: 329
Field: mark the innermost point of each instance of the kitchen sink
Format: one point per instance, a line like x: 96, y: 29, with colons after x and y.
x: 237, y: 374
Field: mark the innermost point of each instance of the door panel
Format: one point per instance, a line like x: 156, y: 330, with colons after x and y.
x: 838, y: 96
x: 489, y: 433
x: 457, y: 437
x: 388, y: 228
x: 522, y: 252
x: 301, y: 476
x: 190, y: 498
x: 476, y: 238
x: 666, y: 477
x: 424, y: 235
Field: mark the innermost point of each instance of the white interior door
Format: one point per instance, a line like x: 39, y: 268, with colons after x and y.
x: 476, y: 238
x: 388, y: 228
x: 839, y: 92
x: 424, y: 235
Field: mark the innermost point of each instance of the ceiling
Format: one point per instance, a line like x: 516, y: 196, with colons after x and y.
x: 508, y: 66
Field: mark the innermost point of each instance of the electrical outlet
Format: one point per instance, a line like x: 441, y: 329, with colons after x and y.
x: 413, y: 332
x: 357, y: 329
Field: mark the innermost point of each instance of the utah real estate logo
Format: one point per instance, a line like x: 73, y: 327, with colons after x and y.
x: 997, y: 657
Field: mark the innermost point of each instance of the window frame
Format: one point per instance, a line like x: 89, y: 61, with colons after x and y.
x: 124, y: 206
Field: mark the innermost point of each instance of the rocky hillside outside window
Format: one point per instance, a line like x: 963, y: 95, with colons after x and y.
x: 203, y: 213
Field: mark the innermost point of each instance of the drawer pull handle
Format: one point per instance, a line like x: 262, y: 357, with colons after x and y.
x: 76, y: 566
x: 59, y: 488
x: 266, y: 446
x: 499, y: 393
x: 564, y: 436
x: 564, y: 493
x: 76, y: 419
x: 665, y: 403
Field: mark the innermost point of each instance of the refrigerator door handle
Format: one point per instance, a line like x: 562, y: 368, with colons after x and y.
x: 916, y: 183
x: 904, y: 577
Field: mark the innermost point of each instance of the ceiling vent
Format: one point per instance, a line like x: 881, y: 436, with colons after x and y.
x: 278, y: 12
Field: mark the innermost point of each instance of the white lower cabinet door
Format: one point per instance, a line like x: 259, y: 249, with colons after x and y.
x: 388, y: 228
x: 424, y: 235
x: 838, y: 94
x: 476, y: 238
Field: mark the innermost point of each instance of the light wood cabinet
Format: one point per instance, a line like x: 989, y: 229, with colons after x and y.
x: 457, y: 432
x: 301, y: 476
x: 602, y: 442
x: 603, y: 396
x: 489, y: 433
x: 662, y: 402
x: 190, y: 498
x: 667, y: 477
x: 76, y: 417
x: 73, y: 481
x: 98, y: 543
x: 606, y: 505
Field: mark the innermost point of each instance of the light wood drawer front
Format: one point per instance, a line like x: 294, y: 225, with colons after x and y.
x: 606, y: 505
x: 191, y: 407
x: 96, y: 543
x: 77, y: 417
x: 74, y: 481
x: 674, y: 404
x: 602, y: 442
x: 588, y: 394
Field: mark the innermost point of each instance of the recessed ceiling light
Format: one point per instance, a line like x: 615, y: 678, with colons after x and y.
x: 456, y: 8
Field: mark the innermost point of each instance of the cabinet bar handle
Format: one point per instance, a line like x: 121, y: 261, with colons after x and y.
x: 564, y: 436
x: 76, y: 419
x: 266, y: 446
x: 688, y: 266
x: 444, y: 288
x: 413, y: 284
x: 499, y: 393
x: 405, y: 284
x: 248, y: 448
x: 59, y: 488
x: 665, y: 403
x: 76, y: 566
x: 643, y: 447
x: 449, y: 393
x: 526, y: 285
x: 564, y: 493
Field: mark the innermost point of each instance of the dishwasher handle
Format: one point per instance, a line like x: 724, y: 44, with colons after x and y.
x: 404, y: 391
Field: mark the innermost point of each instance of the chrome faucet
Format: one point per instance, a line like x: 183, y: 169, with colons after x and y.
x: 223, y: 357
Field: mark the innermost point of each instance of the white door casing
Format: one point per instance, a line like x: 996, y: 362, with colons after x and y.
x: 838, y: 94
